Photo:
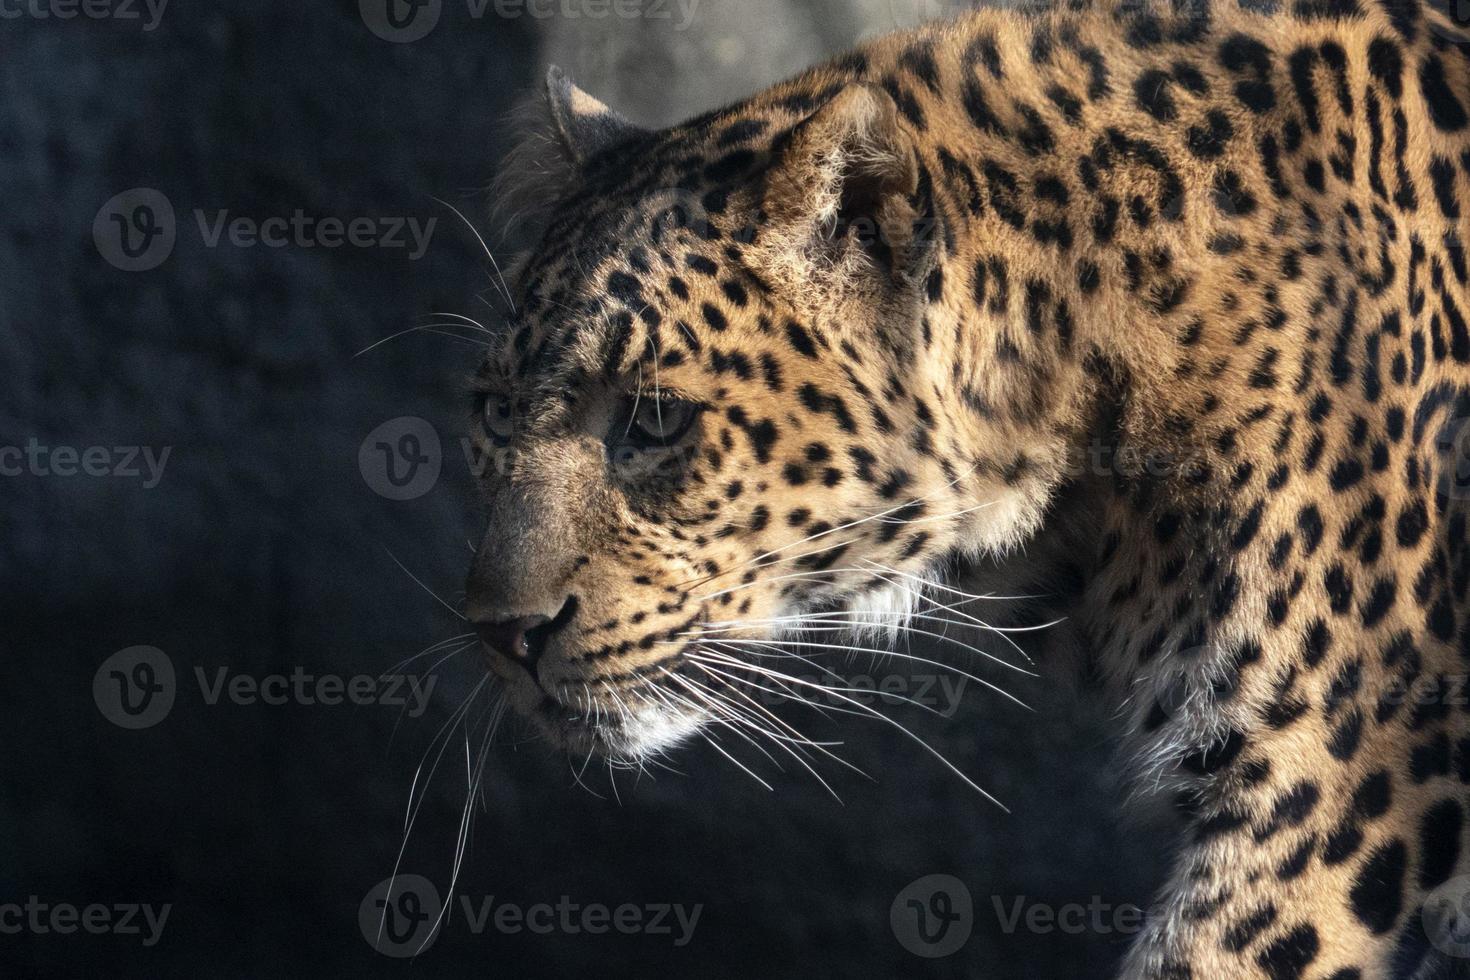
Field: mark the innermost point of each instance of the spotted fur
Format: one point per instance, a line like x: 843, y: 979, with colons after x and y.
x: 924, y: 280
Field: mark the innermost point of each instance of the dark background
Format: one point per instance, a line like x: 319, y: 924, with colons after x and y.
x: 264, y: 550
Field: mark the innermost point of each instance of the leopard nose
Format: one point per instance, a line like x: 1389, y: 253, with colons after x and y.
x: 523, y: 639
x: 511, y: 638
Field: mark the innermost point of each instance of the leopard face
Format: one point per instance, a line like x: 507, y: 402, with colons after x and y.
x: 714, y: 410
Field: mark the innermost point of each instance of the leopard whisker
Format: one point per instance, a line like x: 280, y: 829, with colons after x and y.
x: 427, y: 651
x: 499, y: 277
x: 914, y: 658
x: 778, y: 654
x: 775, y: 737
x: 841, y: 527
x: 425, y: 328
x: 828, y: 625
x: 878, y: 715
x: 421, y: 585
x: 411, y: 817
x: 470, y: 321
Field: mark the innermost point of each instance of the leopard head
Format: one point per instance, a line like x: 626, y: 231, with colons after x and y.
x: 730, y: 395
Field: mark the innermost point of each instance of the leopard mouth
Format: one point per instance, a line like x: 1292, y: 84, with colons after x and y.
x: 634, y: 724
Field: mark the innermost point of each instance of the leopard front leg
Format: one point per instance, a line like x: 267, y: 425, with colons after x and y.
x: 1325, y: 804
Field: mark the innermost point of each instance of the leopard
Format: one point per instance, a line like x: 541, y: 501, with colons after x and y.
x: 1154, y: 310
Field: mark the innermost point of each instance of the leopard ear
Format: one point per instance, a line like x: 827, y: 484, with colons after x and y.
x: 584, y: 125
x: 846, y: 184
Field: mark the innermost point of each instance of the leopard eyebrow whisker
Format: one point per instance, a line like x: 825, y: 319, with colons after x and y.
x: 469, y: 321
x: 657, y: 389
x: 432, y: 328
x: 499, y: 277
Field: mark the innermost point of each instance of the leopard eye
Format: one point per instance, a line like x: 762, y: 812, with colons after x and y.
x: 659, y: 422
x: 500, y: 417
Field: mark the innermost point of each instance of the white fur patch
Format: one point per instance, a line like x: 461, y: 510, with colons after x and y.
x: 652, y: 730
